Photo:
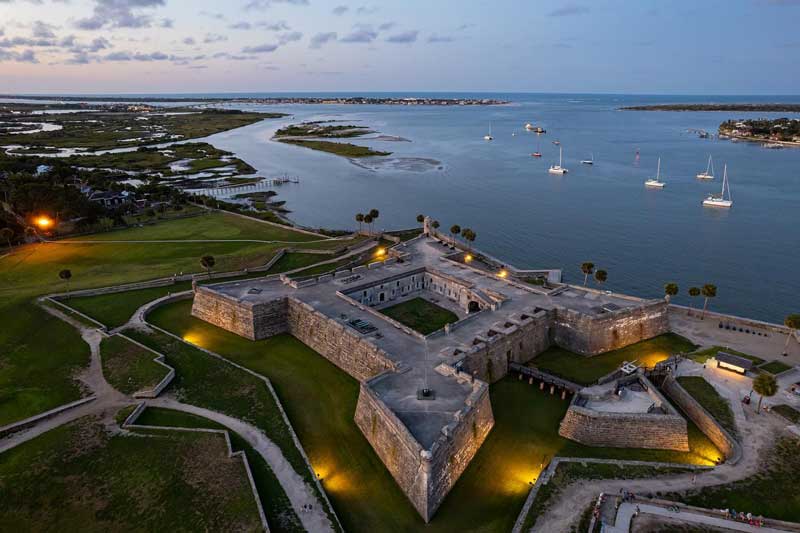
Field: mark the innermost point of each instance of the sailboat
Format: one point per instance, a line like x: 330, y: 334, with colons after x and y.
x: 530, y: 127
x: 538, y: 152
x: 720, y: 201
x: 558, y: 169
x: 589, y: 161
x: 709, y: 173
x: 656, y: 182
x: 488, y: 136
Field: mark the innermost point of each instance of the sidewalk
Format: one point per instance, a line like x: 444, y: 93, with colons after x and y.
x: 626, y: 511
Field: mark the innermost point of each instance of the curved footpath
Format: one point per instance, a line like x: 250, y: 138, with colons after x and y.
x: 108, y: 401
x: 757, y: 434
x: 626, y: 512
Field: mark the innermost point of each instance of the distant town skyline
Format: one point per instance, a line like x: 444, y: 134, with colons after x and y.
x: 610, y: 46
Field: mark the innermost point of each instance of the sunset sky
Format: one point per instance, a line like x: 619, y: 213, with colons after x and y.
x: 138, y: 46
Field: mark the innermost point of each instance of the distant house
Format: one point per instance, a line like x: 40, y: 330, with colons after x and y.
x: 111, y: 198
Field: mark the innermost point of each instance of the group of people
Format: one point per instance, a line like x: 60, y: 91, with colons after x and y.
x: 741, y: 516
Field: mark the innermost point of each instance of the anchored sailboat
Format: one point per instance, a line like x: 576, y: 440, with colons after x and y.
x: 709, y: 173
x: 538, y: 152
x: 589, y: 161
x: 558, y: 169
x: 488, y: 136
x: 714, y: 200
x: 656, y: 182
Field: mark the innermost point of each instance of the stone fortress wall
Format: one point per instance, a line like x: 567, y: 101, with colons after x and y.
x: 664, y: 431
x: 426, y: 476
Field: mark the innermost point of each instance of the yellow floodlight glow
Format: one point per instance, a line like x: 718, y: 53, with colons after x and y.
x: 43, y: 222
x: 502, y: 274
x: 468, y: 258
x: 380, y: 252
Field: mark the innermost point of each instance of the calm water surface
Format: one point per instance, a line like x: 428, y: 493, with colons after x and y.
x: 602, y: 213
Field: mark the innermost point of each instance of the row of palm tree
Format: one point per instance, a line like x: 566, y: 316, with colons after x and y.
x: 368, y: 218
x: 468, y: 235
x: 600, y: 276
x: 708, y: 291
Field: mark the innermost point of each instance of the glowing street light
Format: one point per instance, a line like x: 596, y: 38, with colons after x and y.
x: 502, y: 274
x: 380, y: 252
x: 43, y: 222
x: 468, y: 258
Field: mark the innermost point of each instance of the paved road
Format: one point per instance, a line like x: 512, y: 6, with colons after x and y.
x: 627, y: 510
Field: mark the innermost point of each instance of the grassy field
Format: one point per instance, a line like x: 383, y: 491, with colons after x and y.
x: 705, y: 394
x: 129, y: 368
x: 421, y: 315
x: 338, y: 148
x: 701, y: 356
x: 292, y: 261
x: 94, y: 481
x: 280, y: 514
x: 39, y: 354
x: 486, y: 498
x: 586, y: 370
x: 788, y: 412
x: 775, y: 367
x: 774, y: 492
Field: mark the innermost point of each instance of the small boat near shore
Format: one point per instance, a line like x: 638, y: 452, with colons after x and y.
x: 557, y: 143
x: 719, y: 200
x: 772, y: 146
x: 589, y: 161
x: 656, y: 183
x: 709, y: 173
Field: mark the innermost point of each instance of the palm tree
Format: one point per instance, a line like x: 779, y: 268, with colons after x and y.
x: 694, y: 292
x: 66, y: 275
x: 208, y: 262
x: 601, y: 276
x: 435, y: 224
x: 368, y: 222
x: 765, y: 384
x: 470, y: 236
x: 420, y: 218
x: 6, y: 234
x: 455, y: 229
x: 587, y: 269
x: 793, y: 323
x: 374, y: 213
x: 360, y: 220
x: 708, y: 291
x: 670, y: 290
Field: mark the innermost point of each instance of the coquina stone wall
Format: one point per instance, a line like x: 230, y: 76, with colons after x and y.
x: 425, y: 476
x: 704, y: 420
x: 625, y: 430
x: 516, y: 340
x: 336, y: 342
x: 593, y: 335
x: 253, y: 321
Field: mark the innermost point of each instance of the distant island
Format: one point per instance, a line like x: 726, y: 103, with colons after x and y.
x: 271, y: 100
x: 766, y: 108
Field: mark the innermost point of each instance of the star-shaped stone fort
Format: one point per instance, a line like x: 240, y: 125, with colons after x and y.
x: 424, y: 402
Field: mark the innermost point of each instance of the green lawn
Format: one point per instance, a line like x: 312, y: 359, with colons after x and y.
x: 277, y: 507
x: 421, y: 315
x: 701, y: 356
x: 40, y: 355
x: 587, y: 370
x: 338, y: 148
x: 705, y: 394
x: 129, y: 368
x: 79, y: 477
x: 292, y: 260
x: 788, y: 412
x: 774, y: 492
x: 775, y: 367
x: 489, y: 495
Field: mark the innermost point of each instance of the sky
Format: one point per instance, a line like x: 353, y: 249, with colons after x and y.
x: 583, y: 46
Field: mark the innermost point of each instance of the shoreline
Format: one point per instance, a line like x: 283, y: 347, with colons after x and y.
x: 751, y: 108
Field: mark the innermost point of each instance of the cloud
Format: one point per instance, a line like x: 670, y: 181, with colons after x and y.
x: 166, y: 23
x: 568, y: 10
x: 436, y: 38
x: 290, y: 37
x: 366, y: 10
x: 322, y: 38
x: 340, y: 10
x: 26, y: 56
x: 211, y: 15
x: 42, y: 30
x: 361, y: 34
x: 260, y: 49
x: 279, y: 25
x: 214, y: 38
x: 266, y: 4
x: 387, y: 26
x: 243, y: 25
x: 403, y: 37
x: 119, y: 14
x: 189, y: 41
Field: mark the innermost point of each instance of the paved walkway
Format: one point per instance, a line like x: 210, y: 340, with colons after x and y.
x: 297, y: 489
x: 627, y: 510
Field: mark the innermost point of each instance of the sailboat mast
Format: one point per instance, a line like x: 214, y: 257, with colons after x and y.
x: 560, y: 153
x: 658, y: 170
